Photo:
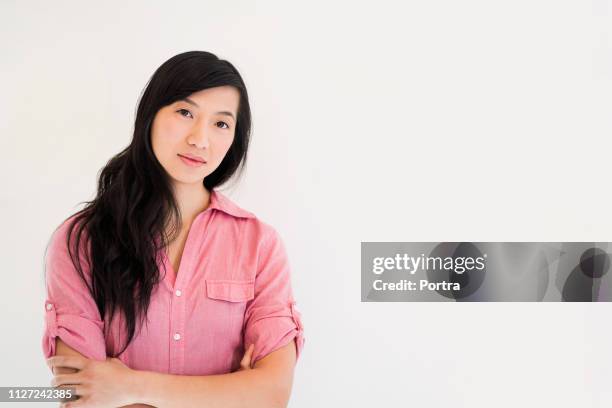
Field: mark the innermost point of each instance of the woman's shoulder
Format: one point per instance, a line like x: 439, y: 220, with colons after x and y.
x: 252, y: 223
x: 58, y: 245
x: 66, y: 226
x: 60, y: 255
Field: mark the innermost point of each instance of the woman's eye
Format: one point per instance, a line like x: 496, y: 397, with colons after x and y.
x: 226, y: 125
x: 184, y: 110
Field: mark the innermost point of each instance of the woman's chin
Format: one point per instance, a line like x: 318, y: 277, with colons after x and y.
x: 187, y: 179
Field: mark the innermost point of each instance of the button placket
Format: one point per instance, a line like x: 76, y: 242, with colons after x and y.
x: 178, y: 302
x: 176, y: 330
x: 177, y: 334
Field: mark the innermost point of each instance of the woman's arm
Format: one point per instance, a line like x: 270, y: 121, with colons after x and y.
x: 62, y: 349
x: 267, y: 385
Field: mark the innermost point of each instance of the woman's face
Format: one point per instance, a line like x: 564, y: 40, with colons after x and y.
x: 202, y: 127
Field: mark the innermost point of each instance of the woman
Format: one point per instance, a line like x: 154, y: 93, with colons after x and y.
x: 185, y: 279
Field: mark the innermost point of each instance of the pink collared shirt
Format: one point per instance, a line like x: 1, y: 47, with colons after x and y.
x: 232, y: 289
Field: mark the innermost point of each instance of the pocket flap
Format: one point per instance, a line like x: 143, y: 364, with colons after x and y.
x: 230, y: 290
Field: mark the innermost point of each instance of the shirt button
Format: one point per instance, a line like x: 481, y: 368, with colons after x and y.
x: 178, y: 292
x: 177, y: 336
x: 49, y: 306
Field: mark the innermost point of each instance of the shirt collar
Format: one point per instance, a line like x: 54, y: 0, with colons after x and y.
x: 222, y: 203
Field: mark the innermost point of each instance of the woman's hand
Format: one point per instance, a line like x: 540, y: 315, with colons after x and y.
x: 97, y: 383
x: 245, y: 363
x: 105, y: 383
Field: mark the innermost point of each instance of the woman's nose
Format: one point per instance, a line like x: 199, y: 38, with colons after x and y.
x: 199, y: 138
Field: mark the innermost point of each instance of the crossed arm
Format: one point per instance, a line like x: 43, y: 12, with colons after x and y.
x: 267, y: 384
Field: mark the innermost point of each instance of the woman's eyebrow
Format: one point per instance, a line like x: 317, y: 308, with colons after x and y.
x: 226, y: 113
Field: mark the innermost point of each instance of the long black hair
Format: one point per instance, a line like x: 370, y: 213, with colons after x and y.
x: 128, y: 222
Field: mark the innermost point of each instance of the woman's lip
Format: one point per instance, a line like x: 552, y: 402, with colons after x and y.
x: 194, y: 158
x: 191, y: 162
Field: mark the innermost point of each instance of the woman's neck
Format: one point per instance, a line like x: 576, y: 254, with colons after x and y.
x: 192, y: 199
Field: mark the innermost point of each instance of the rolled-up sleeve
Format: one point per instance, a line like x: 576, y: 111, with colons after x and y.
x: 272, y: 319
x: 70, y: 311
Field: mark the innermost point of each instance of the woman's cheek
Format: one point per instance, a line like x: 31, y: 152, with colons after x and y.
x: 172, y: 131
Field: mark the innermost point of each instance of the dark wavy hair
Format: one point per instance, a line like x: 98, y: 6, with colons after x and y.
x: 128, y: 222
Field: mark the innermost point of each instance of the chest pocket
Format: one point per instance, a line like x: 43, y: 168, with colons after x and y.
x: 234, y: 291
x: 226, y: 304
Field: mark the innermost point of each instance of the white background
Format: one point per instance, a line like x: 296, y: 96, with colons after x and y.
x: 373, y: 121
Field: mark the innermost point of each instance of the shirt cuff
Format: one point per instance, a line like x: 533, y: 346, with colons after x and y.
x: 80, y: 333
x: 273, y: 328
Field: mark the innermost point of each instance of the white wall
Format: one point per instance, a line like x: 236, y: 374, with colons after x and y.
x: 471, y: 120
